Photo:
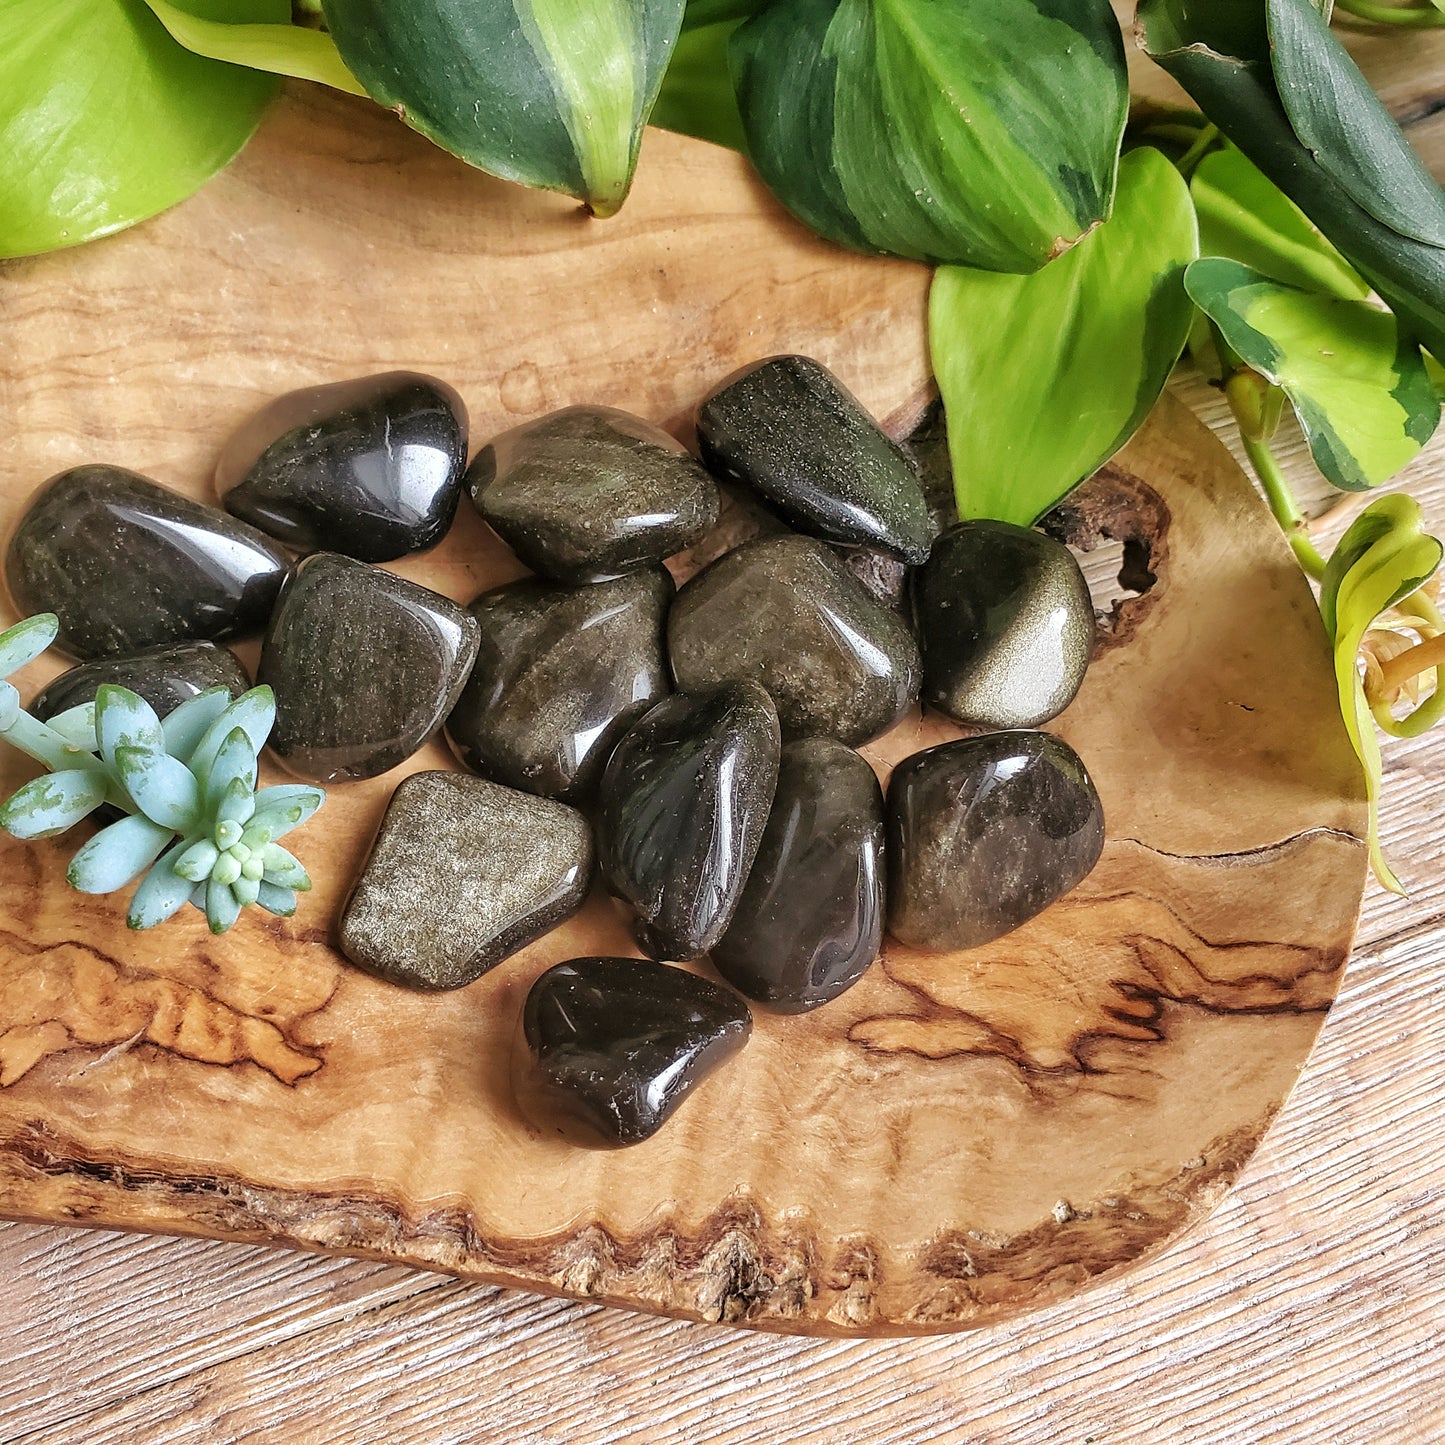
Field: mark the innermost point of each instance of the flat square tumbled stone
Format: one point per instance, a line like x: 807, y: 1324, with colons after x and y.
x: 463, y: 873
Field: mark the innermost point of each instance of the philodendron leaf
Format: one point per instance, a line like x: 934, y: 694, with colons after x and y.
x: 117, y: 854
x: 1045, y: 377
x: 550, y: 93
x: 162, y: 787
x: 977, y: 132
x: 1359, y: 388
x: 697, y: 96
x: 1245, y: 217
x: 286, y: 49
x: 105, y: 119
x: 24, y: 642
x: 1342, y: 123
x: 1218, y: 50
x: 1383, y: 557
x: 52, y: 803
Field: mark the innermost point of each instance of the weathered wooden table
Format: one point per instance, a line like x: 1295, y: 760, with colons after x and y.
x: 1309, y: 1308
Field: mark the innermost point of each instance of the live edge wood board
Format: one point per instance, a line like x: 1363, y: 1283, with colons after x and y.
x: 954, y: 1140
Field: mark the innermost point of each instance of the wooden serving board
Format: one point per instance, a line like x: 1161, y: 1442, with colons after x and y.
x: 955, y: 1139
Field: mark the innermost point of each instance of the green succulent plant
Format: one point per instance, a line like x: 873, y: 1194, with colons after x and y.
x: 196, y: 825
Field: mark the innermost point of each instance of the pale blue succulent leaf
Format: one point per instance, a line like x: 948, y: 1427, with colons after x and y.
x: 286, y: 806
x: 237, y: 804
x: 162, y: 787
x: 24, y: 642
x: 162, y: 893
x: 247, y: 890
x: 117, y: 854
x: 187, y: 725
x: 124, y: 719
x: 234, y: 762
x: 197, y: 860
x: 253, y: 712
x: 277, y: 900
x: 222, y: 907
x: 77, y: 726
x: 285, y: 869
x: 52, y: 803
x: 9, y: 705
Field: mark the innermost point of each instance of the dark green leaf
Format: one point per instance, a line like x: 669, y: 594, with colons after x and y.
x: 1245, y: 217
x: 978, y: 132
x: 1342, y: 123
x: 550, y: 93
x: 1218, y: 51
x: 1358, y: 387
x: 105, y: 119
x: 1045, y: 377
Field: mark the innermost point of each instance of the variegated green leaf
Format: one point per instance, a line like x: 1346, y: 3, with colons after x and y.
x: 24, y: 642
x: 1087, y: 343
x: 1359, y: 388
x: 52, y: 803
x: 551, y: 93
x: 977, y: 132
x: 1384, y: 556
x: 162, y: 893
x: 117, y: 854
x: 161, y: 787
x: 1245, y: 217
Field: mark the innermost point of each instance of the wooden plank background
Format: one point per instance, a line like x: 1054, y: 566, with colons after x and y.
x: 1310, y: 1308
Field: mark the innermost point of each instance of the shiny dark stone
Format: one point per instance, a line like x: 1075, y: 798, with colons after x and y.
x: 791, y: 430
x: 612, y: 1046
x: 561, y: 674
x: 681, y: 812
x: 985, y: 833
x: 365, y: 665
x: 1005, y: 624
x: 126, y: 564
x: 164, y: 676
x: 589, y: 493
x: 810, y: 919
x: 463, y: 873
x: 371, y: 468
x: 784, y: 612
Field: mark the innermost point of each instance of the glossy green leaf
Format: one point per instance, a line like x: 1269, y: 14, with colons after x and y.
x: 697, y: 96
x: 1245, y: 217
x: 1342, y: 123
x: 162, y: 787
x: 24, y: 642
x: 1383, y: 557
x: 550, y: 93
x: 1045, y: 377
x: 286, y: 49
x: 105, y: 119
x: 1218, y: 50
x: 978, y: 132
x: 1358, y: 386
x: 52, y: 803
x: 162, y: 893
x: 117, y: 854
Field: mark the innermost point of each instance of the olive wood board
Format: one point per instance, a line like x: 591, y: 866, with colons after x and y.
x: 956, y: 1139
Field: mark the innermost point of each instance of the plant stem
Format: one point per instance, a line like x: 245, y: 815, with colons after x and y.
x: 1191, y: 158
x: 45, y: 745
x: 1419, y: 17
x: 1413, y: 661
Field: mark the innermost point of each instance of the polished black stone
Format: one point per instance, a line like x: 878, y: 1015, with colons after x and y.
x: 985, y: 833
x: 810, y: 919
x: 126, y: 564
x: 463, y: 873
x: 561, y: 674
x: 164, y: 676
x: 1005, y: 625
x: 612, y: 1046
x: 365, y: 666
x: 791, y: 430
x: 590, y: 493
x: 371, y: 468
x: 784, y: 612
x: 681, y: 811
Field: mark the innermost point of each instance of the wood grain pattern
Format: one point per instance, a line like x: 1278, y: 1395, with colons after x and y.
x: 1308, y: 1307
x: 954, y: 1140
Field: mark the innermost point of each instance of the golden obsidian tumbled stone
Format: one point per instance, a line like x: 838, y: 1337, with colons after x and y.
x: 785, y: 613
x: 560, y: 674
x: 611, y: 1047
x: 164, y: 676
x: 589, y: 493
x: 1005, y: 624
x: 463, y: 873
x: 681, y: 811
x: 985, y: 833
